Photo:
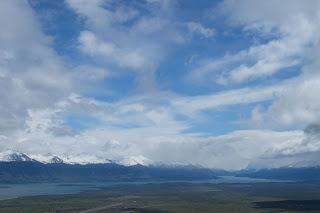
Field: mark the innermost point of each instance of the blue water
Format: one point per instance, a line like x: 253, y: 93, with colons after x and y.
x: 9, y: 191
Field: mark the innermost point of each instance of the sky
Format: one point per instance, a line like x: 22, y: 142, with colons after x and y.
x: 218, y: 84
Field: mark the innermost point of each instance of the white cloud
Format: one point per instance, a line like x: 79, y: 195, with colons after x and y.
x: 268, y: 16
x: 191, y: 105
x: 127, y: 36
x: 157, y: 143
x: 31, y: 75
x: 198, y: 28
x: 134, y: 59
x: 292, y: 32
x: 140, y: 131
x: 294, y: 26
x: 296, y: 105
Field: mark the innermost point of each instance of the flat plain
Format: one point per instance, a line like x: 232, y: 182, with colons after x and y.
x: 178, y: 198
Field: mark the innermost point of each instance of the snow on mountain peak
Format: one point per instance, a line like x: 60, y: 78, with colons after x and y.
x: 14, y: 156
x: 10, y: 155
x: 56, y: 159
x: 136, y: 160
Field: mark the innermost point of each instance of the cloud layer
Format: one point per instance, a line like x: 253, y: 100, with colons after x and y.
x: 111, y: 96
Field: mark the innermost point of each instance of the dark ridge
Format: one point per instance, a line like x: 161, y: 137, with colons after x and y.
x: 33, y: 171
x: 289, y: 205
x: 295, y: 174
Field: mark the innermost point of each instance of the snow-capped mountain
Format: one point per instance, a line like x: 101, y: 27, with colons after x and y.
x: 10, y: 155
x: 19, y: 157
x: 14, y: 156
x: 56, y: 159
x: 135, y: 160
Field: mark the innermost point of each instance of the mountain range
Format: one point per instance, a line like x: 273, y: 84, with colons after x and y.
x: 18, y: 167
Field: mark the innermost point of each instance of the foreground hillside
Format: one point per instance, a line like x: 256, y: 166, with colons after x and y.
x: 178, y: 198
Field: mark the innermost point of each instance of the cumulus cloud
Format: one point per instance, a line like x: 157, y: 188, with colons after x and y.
x: 301, y: 151
x: 31, y: 75
x: 295, y: 105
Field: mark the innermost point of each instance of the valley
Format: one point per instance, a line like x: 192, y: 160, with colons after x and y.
x: 178, y: 198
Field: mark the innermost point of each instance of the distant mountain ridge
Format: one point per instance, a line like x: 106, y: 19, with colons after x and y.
x: 304, y: 174
x: 12, y: 156
x: 19, y: 168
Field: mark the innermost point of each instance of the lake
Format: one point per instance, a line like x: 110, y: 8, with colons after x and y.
x: 9, y: 191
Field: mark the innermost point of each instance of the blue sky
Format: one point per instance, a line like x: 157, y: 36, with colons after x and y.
x: 221, y: 84
x: 64, y: 25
